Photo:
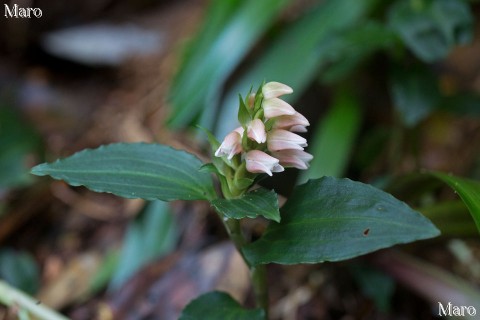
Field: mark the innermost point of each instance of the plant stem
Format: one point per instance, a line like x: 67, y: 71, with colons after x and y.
x: 259, y: 281
x: 258, y: 273
x: 235, y: 233
x: 11, y: 297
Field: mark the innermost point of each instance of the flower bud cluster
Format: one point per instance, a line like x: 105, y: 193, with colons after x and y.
x: 265, y: 142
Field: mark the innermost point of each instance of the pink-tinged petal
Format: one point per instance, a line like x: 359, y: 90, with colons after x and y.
x: 259, y: 162
x: 231, y: 145
x: 298, y: 128
x: 290, y: 121
x: 293, y: 158
x: 279, y: 139
x: 278, y: 168
x: 275, y: 107
x: 256, y: 131
x: 275, y: 89
x: 240, y: 131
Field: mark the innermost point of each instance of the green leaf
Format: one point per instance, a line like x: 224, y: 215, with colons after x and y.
x: 333, y: 140
x: 230, y: 30
x: 152, y: 234
x: 374, y: 284
x: 432, y: 29
x: 243, y: 115
x: 17, y: 143
x: 462, y: 103
x: 415, y: 94
x: 212, y: 140
x: 219, y: 306
x: 259, y: 202
x: 351, y: 47
x: 468, y: 190
x: 298, y: 53
x: 20, y: 270
x: 134, y: 170
x: 331, y: 219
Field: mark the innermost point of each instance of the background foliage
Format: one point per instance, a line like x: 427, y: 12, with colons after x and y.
x: 390, y: 87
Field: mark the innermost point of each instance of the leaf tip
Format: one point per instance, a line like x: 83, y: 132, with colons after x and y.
x: 39, y: 170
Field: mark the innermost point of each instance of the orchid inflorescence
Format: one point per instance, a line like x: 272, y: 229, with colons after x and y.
x: 264, y: 143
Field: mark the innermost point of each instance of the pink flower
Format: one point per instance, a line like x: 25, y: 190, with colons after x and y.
x: 256, y: 131
x: 258, y: 162
x: 295, y: 122
x: 279, y: 139
x: 293, y: 158
x: 231, y: 145
x: 275, y: 90
x: 275, y: 107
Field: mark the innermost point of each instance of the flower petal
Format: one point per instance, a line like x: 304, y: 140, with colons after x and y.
x: 275, y: 107
x: 259, y: 162
x: 231, y: 145
x: 279, y: 139
x: 288, y: 121
x: 293, y: 158
x: 275, y: 89
x: 256, y: 131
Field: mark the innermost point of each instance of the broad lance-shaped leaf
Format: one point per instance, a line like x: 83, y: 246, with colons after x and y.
x: 134, y: 170
x: 331, y: 219
x: 219, y: 306
x: 468, y: 190
x: 260, y: 202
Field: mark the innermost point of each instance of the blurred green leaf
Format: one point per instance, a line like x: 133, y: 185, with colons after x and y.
x: 350, y: 48
x: 230, y: 30
x: 152, y: 234
x: 415, y: 94
x: 17, y: 142
x: 468, y: 190
x: 297, y: 53
x: 331, y: 219
x: 107, y: 269
x: 20, y: 270
x: 134, y: 170
x: 219, y: 306
x: 332, y: 142
x: 259, y: 202
x: 375, y: 284
x: 432, y: 28
x: 452, y: 218
x: 464, y: 104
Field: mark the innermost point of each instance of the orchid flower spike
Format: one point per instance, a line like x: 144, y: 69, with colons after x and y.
x: 265, y: 141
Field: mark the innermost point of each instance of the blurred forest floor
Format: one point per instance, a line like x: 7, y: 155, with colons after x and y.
x: 62, y: 244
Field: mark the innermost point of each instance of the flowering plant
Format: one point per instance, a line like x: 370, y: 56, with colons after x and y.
x: 325, y: 219
x: 264, y: 143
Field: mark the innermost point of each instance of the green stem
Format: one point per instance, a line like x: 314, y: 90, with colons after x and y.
x: 260, y: 289
x: 10, y: 296
x: 235, y: 233
x: 258, y: 273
